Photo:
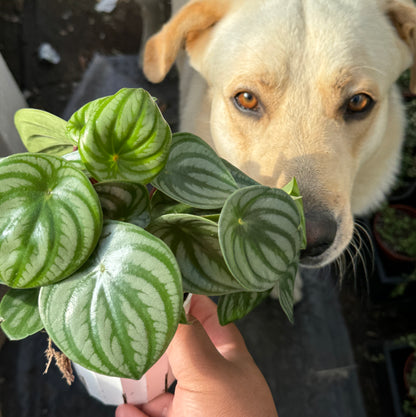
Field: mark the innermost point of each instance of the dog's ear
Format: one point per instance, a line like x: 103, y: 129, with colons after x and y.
x: 402, y: 13
x: 182, y: 30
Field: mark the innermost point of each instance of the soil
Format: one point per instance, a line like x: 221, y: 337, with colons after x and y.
x: 76, y: 31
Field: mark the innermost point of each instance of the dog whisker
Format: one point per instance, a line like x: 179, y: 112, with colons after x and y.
x: 356, y: 257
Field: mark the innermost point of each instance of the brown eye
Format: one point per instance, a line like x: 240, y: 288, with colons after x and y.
x: 359, y: 103
x: 246, y: 100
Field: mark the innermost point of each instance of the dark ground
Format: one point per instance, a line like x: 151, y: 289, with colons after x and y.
x: 77, y: 32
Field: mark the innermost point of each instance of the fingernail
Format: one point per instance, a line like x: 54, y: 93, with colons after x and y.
x: 165, y: 412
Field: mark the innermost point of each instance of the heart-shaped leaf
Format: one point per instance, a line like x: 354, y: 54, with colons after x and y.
x: 194, y: 174
x: 19, y: 313
x: 124, y: 201
x: 194, y: 241
x: 50, y: 219
x: 41, y: 131
x: 259, y: 233
x: 118, y: 313
x: 235, y: 306
x: 126, y: 138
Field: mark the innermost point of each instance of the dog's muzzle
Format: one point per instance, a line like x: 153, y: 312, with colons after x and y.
x: 321, y: 229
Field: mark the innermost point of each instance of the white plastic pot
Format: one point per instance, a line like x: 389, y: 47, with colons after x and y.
x: 115, y: 391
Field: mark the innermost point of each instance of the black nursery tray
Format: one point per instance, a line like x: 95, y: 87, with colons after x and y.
x: 396, y: 356
x: 386, y: 274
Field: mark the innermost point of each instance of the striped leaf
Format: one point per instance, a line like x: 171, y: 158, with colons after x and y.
x: 194, y: 241
x: 194, y: 174
x: 292, y: 189
x: 19, y: 313
x: 259, y: 233
x: 79, y: 119
x: 285, y: 291
x: 75, y: 159
x: 124, y: 201
x: 161, y: 204
x: 117, y: 314
x: 50, y: 220
x: 41, y: 131
x: 235, y: 306
x: 241, y: 179
x: 126, y: 138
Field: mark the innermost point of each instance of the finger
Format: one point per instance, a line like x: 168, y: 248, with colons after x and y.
x: 159, y: 406
x: 192, y: 352
x: 225, y: 338
x: 128, y: 410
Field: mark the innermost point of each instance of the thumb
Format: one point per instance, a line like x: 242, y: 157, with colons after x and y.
x: 204, y: 345
x: 192, y: 353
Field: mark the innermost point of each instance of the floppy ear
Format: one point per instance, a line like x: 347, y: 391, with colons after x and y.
x: 183, y: 29
x: 403, y: 16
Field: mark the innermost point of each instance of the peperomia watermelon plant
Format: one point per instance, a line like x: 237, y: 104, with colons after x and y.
x: 100, y: 259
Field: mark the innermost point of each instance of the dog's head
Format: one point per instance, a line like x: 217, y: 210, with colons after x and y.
x: 301, y: 88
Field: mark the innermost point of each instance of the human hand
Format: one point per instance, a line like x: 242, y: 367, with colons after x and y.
x: 215, y: 372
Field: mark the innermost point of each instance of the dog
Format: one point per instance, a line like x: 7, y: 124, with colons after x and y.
x: 297, y: 88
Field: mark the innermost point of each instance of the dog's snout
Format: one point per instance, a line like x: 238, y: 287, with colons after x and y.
x: 321, y: 228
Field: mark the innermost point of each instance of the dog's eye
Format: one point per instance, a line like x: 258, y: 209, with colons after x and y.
x: 246, y: 101
x: 359, y: 103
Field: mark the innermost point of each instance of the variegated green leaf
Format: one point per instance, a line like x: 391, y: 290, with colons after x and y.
x: 19, y: 313
x: 124, y: 201
x: 41, y: 131
x: 260, y: 236
x: 79, y: 119
x: 161, y: 204
x: 240, y: 177
x: 235, y: 306
x: 285, y: 291
x: 118, y: 313
x: 194, y: 241
x: 50, y: 219
x: 75, y: 159
x: 126, y: 138
x: 292, y: 189
x: 194, y: 174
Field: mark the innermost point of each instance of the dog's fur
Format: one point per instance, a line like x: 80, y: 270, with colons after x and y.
x: 304, y: 60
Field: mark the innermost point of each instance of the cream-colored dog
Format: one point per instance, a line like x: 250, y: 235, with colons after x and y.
x: 302, y: 88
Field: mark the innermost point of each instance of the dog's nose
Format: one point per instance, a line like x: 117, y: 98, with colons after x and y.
x: 321, y: 228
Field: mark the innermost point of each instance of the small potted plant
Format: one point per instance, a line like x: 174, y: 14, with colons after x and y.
x: 395, y: 232
x: 101, y: 260
x: 394, y: 236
